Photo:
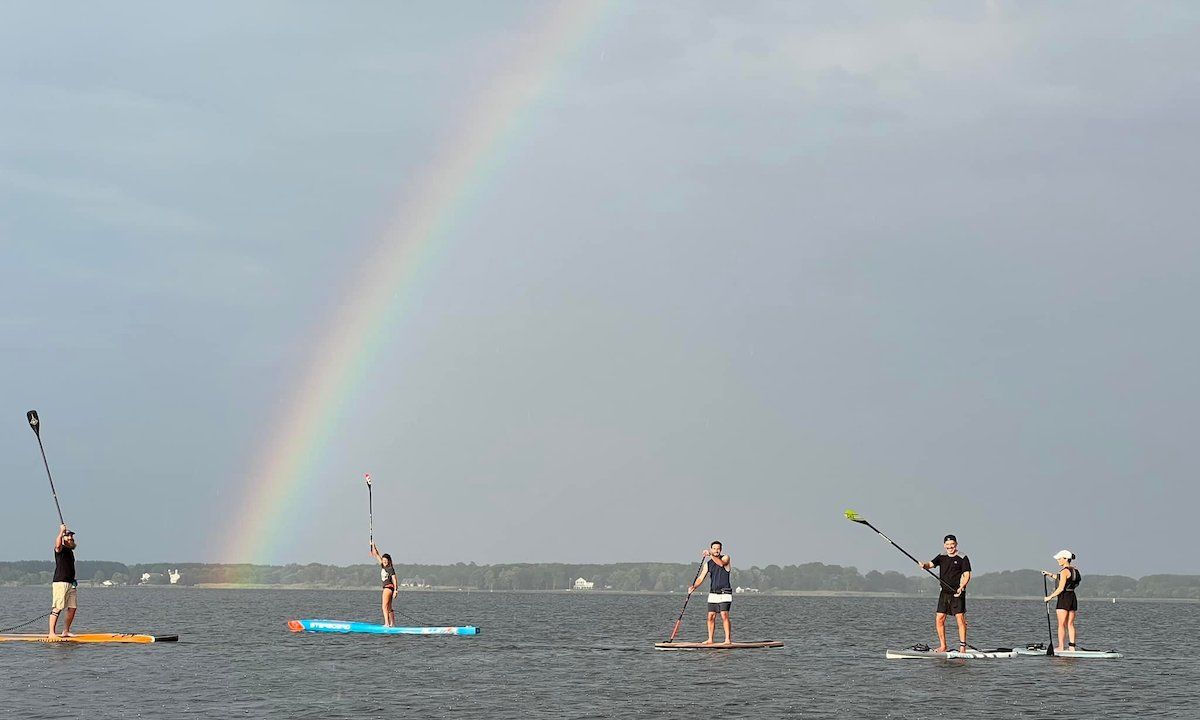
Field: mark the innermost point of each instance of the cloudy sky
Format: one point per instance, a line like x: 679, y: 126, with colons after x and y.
x: 732, y: 269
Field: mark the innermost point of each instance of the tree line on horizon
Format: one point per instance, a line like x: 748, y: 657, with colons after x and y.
x: 625, y: 577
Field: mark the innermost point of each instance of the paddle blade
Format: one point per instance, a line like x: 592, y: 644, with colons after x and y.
x: 675, y: 630
x: 367, y: 476
x: 34, y: 422
x: 853, y: 516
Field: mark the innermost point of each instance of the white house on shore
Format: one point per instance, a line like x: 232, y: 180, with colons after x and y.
x: 582, y: 584
x: 171, y: 576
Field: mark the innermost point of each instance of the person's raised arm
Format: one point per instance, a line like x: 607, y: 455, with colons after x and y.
x: 723, y: 561
x: 375, y: 553
x: 58, y: 542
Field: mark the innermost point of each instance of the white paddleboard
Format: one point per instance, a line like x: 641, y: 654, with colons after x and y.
x: 1038, y: 649
x: 926, y: 654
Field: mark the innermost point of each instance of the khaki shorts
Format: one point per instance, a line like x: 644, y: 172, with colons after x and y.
x: 64, y: 596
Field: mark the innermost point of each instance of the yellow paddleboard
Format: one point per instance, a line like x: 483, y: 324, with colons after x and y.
x: 89, y: 638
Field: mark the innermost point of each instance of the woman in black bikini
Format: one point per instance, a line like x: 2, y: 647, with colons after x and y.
x: 387, y: 573
x: 1069, y: 578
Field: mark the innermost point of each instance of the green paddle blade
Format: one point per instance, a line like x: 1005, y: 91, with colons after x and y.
x: 853, y: 516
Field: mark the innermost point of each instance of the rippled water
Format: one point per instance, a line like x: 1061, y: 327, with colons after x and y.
x: 583, y: 656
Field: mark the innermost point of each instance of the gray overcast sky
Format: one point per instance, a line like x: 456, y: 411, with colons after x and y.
x: 741, y: 266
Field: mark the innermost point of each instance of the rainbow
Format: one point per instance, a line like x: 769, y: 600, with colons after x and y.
x: 470, y: 157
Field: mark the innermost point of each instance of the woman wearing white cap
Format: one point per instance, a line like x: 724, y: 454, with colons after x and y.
x: 1068, y: 579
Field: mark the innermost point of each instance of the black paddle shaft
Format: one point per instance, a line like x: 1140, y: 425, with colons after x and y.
x: 1049, y: 629
x: 910, y: 557
x: 36, y: 423
x: 371, y: 510
x: 679, y: 620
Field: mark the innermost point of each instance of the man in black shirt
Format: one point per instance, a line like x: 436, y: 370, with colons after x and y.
x: 955, y: 572
x: 63, y: 587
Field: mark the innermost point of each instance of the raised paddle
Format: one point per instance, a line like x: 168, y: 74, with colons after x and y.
x: 370, y: 507
x: 1049, y: 630
x: 675, y: 630
x: 854, y: 517
x: 36, y: 424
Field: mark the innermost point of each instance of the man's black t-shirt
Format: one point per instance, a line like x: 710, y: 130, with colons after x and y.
x: 950, y: 569
x: 64, y: 565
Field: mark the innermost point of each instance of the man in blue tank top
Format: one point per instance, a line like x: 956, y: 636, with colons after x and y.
x: 720, y: 590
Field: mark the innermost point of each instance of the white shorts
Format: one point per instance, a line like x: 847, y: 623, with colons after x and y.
x: 719, y: 602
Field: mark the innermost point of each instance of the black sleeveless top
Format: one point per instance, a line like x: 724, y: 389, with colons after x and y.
x: 1073, y: 581
x: 718, y: 578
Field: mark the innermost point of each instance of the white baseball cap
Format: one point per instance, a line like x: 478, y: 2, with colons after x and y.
x: 1064, y: 555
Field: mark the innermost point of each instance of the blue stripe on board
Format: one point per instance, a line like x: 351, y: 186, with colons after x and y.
x: 342, y: 626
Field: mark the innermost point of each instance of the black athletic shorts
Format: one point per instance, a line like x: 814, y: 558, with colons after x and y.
x: 1068, y: 601
x: 950, y: 605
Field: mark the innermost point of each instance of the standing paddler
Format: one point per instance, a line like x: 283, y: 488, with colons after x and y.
x: 1069, y: 578
x: 387, y: 573
x: 63, y: 587
x: 720, y: 589
x: 954, y: 570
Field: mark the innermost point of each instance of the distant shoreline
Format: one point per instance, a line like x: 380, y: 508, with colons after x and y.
x: 813, y: 579
x: 765, y: 593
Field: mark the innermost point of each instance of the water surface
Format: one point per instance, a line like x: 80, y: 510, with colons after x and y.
x: 582, y: 656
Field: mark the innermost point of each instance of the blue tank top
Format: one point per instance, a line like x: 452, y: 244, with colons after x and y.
x: 718, y: 578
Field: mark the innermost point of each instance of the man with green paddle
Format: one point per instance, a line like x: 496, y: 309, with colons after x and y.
x: 954, y: 571
x: 954, y: 574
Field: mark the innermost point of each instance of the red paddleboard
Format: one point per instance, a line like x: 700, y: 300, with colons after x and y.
x: 756, y: 645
